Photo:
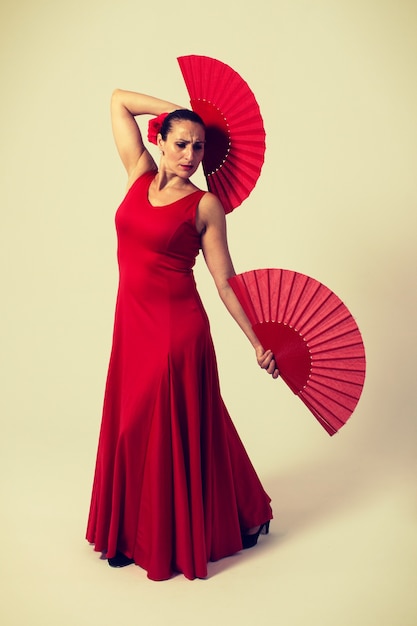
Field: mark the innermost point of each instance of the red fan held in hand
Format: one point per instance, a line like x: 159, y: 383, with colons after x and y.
x: 235, y: 135
x: 315, y: 340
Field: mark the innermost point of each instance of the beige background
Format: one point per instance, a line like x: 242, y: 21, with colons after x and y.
x: 336, y: 83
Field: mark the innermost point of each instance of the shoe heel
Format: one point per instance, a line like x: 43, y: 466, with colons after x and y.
x: 248, y: 541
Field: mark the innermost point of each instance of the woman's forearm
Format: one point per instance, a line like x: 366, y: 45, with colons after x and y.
x: 141, y: 104
x: 232, y: 304
x: 264, y: 356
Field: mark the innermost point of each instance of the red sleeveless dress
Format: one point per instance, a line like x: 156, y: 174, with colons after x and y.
x: 173, y: 485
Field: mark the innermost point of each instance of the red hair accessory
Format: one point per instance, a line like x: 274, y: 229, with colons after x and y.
x: 154, y: 127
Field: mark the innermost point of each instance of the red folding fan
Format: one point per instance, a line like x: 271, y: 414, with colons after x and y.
x: 235, y: 135
x: 315, y: 340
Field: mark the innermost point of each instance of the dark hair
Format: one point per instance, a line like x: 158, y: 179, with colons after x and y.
x: 177, y: 116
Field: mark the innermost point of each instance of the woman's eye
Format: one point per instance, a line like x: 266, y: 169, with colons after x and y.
x: 198, y: 146
x: 181, y: 145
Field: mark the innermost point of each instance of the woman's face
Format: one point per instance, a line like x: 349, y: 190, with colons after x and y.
x: 183, y: 149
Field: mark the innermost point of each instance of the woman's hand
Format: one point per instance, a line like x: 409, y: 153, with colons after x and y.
x: 267, y: 361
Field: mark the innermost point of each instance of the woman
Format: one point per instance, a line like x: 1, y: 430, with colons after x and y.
x: 173, y: 487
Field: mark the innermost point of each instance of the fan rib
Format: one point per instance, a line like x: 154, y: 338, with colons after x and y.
x: 287, y: 299
x: 279, y: 292
x: 344, y: 339
x: 313, y: 306
x: 258, y: 293
x: 334, y: 389
x: 299, y: 321
x: 326, y: 401
x: 327, y: 419
x: 269, y: 297
x: 330, y: 414
x: 295, y: 301
x: 327, y: 315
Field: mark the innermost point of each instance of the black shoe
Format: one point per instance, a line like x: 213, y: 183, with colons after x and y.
x: 248, y: 541
x: 120, y: 560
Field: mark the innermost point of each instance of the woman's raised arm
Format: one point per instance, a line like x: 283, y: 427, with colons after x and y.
x: 125, y: 106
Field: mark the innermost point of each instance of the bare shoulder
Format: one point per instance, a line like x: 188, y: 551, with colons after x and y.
x: 210, y: 213
x: 210, y: 209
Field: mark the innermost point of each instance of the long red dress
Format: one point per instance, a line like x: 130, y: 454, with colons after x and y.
x: 173, y: 485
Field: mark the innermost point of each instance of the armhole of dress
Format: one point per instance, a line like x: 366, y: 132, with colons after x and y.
x: 142, y: 178
x: 194, y: 212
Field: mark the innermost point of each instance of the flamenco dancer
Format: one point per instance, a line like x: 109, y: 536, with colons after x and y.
x: 174, y: 487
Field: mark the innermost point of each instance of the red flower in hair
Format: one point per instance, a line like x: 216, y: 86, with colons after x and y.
x: 154, y: 127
